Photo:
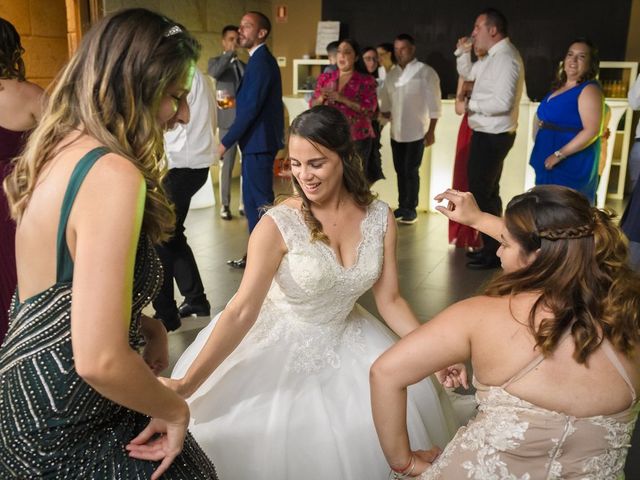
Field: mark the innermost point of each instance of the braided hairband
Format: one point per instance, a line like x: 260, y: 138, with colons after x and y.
x: 567, y: 233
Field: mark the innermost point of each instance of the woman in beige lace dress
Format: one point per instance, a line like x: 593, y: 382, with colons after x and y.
x: 553, y: 344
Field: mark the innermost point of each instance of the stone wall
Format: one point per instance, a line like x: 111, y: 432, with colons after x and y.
x: 42, y: 25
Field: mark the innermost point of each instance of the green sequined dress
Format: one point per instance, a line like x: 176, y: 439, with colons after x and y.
x: 53, y: 425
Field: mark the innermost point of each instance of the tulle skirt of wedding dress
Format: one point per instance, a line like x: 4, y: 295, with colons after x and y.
x: 260, y: 419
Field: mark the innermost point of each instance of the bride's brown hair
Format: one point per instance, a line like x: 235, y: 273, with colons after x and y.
x: 326, y: 126
x: 580, y: 270
x: 111, y: 90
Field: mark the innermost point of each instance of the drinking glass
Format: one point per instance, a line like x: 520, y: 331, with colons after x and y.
x: 225, y: 99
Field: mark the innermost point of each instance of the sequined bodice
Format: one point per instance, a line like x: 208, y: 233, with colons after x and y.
x: 312, y: 295
x: 43, y: 401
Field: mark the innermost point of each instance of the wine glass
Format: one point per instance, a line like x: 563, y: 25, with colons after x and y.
x: 465, y: 44
x: 225, y: 99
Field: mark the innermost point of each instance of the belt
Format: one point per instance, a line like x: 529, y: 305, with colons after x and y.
x: 557, y: 128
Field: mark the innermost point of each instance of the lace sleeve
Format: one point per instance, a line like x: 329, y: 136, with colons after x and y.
x: 288, y: 222
x: 381, y: 214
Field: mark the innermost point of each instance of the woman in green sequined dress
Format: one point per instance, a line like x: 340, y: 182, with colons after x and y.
x: 76, y: 398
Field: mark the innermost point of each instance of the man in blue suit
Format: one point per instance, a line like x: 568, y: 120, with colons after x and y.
x: 259, y: 124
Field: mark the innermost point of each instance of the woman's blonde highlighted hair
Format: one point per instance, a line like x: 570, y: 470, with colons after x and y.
x: 111, y: 90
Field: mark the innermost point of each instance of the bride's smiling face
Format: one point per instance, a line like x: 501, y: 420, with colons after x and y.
x: 317, y: 169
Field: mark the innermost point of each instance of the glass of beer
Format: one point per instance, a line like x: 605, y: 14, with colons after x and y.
x: 225, y: 99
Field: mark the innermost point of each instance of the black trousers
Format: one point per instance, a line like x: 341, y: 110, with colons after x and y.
x: 486, y: 158
x: 369, y: 151
x: 407, y: 157
x: 176, y: 256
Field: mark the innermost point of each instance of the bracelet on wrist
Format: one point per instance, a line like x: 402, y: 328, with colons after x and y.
x: 398, y: 474
x: 406, y: 467
x: 559, y: 155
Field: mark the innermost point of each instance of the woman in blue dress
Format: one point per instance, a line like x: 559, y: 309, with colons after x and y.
x: 569, y: 122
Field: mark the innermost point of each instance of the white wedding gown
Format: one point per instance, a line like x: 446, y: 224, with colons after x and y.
x: 292, y: 401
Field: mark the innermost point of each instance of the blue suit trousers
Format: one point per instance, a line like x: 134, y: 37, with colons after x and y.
x: 257, y: 184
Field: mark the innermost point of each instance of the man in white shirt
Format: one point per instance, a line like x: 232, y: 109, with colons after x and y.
x: 411, y: 98
x: 190, y: 153
x: 493, y: 117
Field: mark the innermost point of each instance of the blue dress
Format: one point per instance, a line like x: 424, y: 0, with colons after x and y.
x: 561, y: 122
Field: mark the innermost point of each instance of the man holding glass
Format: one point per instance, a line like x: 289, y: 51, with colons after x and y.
x: 492, y: 114
x: 228, y: 70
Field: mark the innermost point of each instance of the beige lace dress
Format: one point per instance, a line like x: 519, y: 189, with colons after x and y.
x: 512, y: 439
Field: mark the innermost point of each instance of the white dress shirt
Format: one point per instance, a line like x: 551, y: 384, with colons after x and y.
x: 253, y: 50
x: 499, y: 83
x: 192, y: 145
x: 413, y: 97
x: 466, y: 68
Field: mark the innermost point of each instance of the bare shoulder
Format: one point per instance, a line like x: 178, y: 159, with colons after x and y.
x: 592, y: 92
x: 35, y: 98
x: 266, y: 236
x: 115, y: 177
x: 475, y: 309
x: 477, y: 303
x: 119, y: 167
x: 31, y: 90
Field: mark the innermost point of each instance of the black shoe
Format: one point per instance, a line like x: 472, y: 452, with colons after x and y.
x: 408, y: 218
x: 484, y: 263
x: 170, y: 322
x: 239, y: 263
x: 225, y: 213
x: 475, y: 255
x: 241, y: 211
x: 398, y: 213
x: 200, y: 310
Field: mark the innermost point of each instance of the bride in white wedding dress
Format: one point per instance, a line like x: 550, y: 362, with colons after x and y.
x: 278, y: 383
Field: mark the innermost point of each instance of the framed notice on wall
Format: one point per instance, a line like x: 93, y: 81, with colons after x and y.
x: 327, y: 32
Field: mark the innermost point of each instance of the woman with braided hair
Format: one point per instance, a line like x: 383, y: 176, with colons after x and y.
x: 553, y: 344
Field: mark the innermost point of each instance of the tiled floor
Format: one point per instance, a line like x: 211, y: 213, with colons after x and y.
x: 432, y: 273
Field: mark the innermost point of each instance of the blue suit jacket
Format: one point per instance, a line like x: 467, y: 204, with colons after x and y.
x: 259, y: 122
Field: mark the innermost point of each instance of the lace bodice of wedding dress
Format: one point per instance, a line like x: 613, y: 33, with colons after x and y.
x: 292, y: 400
x: 312, y: 295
